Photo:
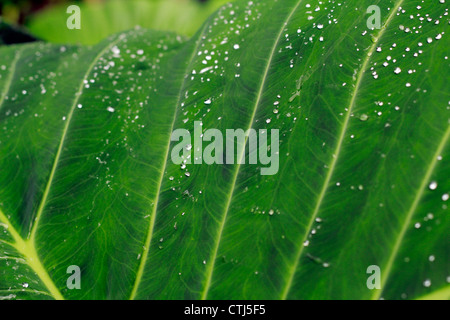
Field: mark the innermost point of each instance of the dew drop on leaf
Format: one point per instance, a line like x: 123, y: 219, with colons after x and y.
x: 433, y: 185
x: 364, y: 117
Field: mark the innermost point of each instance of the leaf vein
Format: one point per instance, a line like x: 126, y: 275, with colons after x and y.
x: 155, y: 206
x: 336, y: 153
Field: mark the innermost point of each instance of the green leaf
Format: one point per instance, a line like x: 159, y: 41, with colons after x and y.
x: 87, y: 178
x: 102, y: 19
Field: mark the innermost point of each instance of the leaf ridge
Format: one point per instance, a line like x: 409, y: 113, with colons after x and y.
x: 27, y: 246
x: 28, y: 250
x: 10, y: 76
x: 78, y: 94
x: 411, y: 211
x: 439, y: 294
x: 156, y: 200
x: 210, y: 266
x: 336, y: 152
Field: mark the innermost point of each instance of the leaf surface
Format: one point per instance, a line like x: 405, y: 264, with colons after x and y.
x: 87, y: 178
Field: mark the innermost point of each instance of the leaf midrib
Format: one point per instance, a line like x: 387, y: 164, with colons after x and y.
x: 64, y: 134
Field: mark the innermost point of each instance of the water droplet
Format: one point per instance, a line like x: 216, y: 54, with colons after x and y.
x: 433, y: 185
x: 364, y: 117
x: 115, y: 51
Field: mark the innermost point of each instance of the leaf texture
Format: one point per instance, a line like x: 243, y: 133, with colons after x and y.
x: 87, y: 179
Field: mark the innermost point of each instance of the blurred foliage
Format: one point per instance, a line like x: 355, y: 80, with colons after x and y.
x: 100, y: 18
x: 19, y: 11
x: 13, y: 34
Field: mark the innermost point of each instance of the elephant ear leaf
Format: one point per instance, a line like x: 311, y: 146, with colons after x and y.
x: 356, y: 206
